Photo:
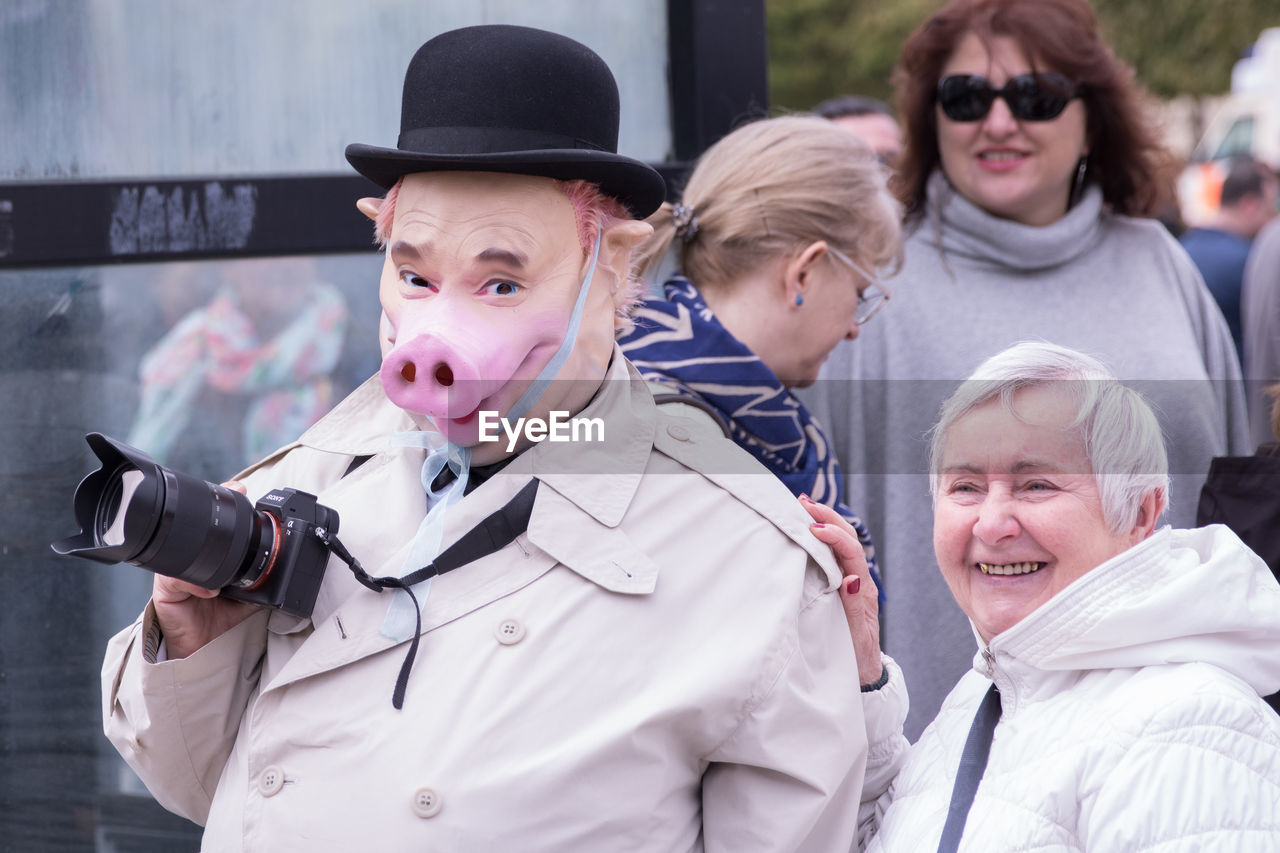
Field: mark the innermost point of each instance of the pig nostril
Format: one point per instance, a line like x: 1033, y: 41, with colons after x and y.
x: 408, y: 372
x: 444, y: 375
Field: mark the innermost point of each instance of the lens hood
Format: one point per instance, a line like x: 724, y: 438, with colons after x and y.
x: 143, y: 517
x: 134, y: 510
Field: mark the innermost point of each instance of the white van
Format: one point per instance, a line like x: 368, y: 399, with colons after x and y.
x: 1247, y: 123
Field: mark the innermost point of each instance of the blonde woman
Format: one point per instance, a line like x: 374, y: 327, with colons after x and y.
x: 777, y: 238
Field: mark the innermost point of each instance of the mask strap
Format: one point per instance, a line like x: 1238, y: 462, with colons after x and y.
x: 439, y: 454
x: 552, y: 368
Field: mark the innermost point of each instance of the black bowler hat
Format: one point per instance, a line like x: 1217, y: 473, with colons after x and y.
x: 500, y: 98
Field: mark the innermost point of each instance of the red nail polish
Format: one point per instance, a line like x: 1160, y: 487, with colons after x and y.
x: 817, y: 526
x: 853, y: 585
x: 804, y: 497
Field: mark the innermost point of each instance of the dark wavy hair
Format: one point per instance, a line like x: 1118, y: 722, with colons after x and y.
x: 1126, y: 159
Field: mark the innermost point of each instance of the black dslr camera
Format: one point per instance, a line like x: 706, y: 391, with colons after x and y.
x: 133, y: 510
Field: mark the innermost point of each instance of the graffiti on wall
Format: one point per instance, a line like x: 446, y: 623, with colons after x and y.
x: 147, y: 219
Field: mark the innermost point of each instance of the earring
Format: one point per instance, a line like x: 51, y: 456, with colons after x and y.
x: 1077, y: 186
x: 799, y: 300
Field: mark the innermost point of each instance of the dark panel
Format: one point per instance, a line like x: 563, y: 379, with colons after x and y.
x: 86, y: 223
x: 674, y: 174
x: 719, y: 73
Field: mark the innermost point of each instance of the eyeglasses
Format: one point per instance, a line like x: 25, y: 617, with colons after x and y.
x: 872, y: 297
x: 1031, y: 97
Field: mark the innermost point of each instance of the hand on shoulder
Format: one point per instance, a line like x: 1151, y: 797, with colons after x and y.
x: 858, y: 591
x: 191, y: 616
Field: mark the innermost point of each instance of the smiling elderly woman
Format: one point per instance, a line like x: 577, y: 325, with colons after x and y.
x: 1120, y: 667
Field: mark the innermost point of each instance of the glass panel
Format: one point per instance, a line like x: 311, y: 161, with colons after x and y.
x: 188, y: 87
x: 204, y: 365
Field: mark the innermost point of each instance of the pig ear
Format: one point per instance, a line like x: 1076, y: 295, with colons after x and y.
x: 616, y: 245
x: 369, y: 207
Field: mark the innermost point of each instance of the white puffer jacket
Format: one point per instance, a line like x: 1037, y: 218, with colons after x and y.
x: 1131, y: 715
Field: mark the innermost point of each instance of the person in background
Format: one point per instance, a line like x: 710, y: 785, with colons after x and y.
x: 245, y: 372
x: 1243, y: 492
x: 1028, y: 177
x: 1114, y: 700
x: 868, y: 118
x: 1260, y: 319
x: 780, y: 228
x: 1220, y: 247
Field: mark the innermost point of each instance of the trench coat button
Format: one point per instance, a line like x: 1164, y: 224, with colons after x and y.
x: 270, y: 781
x: 426, y: 803
x: 678, y: 432
x: 509, y: 632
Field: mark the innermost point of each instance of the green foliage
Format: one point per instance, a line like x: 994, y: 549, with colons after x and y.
x: 1184, y: 46
x: 819, y: 48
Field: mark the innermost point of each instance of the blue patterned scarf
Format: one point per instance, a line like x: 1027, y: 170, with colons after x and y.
x: 679, y: 344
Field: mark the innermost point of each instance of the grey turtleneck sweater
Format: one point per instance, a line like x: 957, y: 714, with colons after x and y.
x: 1118, y: 288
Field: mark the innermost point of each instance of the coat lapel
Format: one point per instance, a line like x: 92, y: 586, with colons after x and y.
x: 348, y: 619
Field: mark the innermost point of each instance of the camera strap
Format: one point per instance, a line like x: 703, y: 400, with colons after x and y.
x: 491, y: 535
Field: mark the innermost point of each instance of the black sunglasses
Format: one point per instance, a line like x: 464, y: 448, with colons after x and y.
x: 1031, y: 97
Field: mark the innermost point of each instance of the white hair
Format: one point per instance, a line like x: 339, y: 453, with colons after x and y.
x: 1121, y: 435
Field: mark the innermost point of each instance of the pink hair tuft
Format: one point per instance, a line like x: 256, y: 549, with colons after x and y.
x: 386, y: 215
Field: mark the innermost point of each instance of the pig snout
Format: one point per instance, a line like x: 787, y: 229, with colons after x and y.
x: 422, y: 375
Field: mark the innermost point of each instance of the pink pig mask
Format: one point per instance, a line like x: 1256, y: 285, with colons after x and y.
x: 487, y: 296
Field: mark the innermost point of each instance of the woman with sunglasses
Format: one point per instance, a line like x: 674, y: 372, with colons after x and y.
x: 1028, y: 174
x: 781, y: 224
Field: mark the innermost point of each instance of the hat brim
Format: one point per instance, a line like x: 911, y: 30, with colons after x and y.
x: 637, y: 185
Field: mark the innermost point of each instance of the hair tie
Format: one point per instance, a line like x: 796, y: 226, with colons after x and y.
x: 686, y: 223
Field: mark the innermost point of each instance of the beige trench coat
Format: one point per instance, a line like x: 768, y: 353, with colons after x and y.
x: 660, y: 663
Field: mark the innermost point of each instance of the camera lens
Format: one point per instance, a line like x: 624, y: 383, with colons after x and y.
x: 134, y: 510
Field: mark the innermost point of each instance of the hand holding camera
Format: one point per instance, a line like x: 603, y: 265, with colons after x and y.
x: 191, y: 616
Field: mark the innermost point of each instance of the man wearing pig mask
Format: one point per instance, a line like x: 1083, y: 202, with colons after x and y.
x: 653, y: 657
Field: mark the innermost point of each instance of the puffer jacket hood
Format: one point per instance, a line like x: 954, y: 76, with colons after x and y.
x: 1155, y: 604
